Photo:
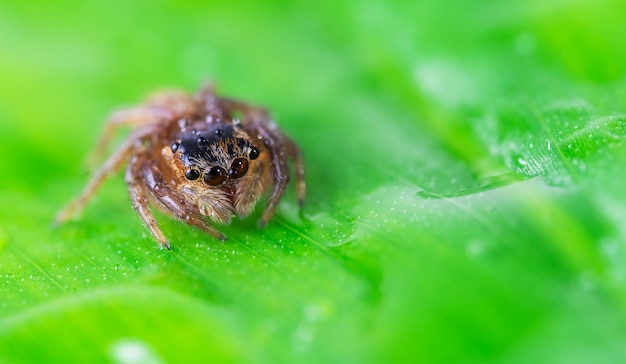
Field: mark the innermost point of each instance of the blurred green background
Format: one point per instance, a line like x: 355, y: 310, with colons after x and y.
x: 465, y: 172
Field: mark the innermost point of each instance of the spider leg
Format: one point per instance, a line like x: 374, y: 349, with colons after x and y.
x: 160, y: 107
x: 208, y: 100
x: 296, y: 154
x: 255, y: 114
x: 173, y: 202
x: 132, y: 117
x: 130, y: 146
x: 139, y: 199
x: 280, y: 171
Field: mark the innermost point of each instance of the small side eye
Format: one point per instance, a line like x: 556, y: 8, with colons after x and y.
x: 238, y: 168
x: 192, y: 174
x: 202, y: 142
x: 215, y: 176
x: 175, y: 146
x: 254, y: 152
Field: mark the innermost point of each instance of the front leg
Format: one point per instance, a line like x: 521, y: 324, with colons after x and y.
x: 140, y: 199
x: 173, y: 202
x: 280, y: 171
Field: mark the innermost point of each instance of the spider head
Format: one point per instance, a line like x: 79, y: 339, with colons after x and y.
x: 216, y: 154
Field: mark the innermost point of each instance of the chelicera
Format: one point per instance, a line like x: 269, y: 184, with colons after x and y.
x: 198, y: 158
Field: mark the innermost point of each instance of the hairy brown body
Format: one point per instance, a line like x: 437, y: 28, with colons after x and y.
x: 198, y: 158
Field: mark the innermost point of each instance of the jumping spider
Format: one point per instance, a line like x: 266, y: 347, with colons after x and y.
x: 197, y: 158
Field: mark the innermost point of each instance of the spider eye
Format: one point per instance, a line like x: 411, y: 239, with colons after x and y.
x: 192, y: 174
x: 238, y: 168
x: 202, y: 142
x: 254, y: 152
x: 215, y: 176
x: 175, y: 146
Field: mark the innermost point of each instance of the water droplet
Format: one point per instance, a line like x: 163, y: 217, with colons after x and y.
x: 129, y: 351
x: 474, y: 248
x: 331, y: 231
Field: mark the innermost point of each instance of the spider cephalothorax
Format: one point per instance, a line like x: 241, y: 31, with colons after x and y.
x: 193, y: 159
x: 219, y: 153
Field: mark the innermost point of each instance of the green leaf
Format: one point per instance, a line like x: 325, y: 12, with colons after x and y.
x: 465, y: 184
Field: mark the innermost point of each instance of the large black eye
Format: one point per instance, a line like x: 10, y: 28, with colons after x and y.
x: 254, y: 152
x: 238, y: 168
x: 215, y: 176
x: 192, y: 174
